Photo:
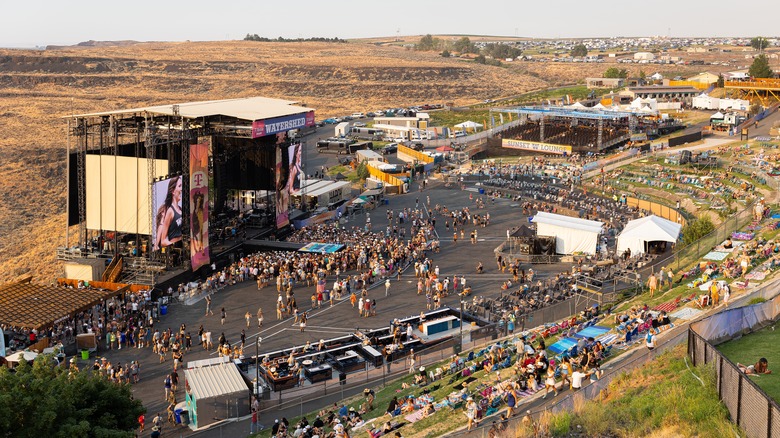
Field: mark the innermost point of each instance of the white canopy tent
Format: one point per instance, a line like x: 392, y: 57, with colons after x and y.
x: 469, y: 125
x: 572, y: 235
x: 637, y: 233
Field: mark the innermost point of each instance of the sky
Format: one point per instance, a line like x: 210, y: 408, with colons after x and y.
x: 56, y: 22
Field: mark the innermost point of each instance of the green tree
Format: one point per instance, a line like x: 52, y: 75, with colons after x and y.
x: 40, y: 400
x: 642, y: 74
x: 427, y: 43
x: 362, y: 171
x: 760, y: 68
x: 759, y: 43
x: 697, y: 229
x: 579, y: 50
x: 614, y: 72
x: 501, y: 51
x: 721, y: 81
x: 446, y: 53
x: 464, y: 45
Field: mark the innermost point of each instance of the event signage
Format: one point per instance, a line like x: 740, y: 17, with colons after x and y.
x: 199, y: 205
x: 282, y: 191
x: 261, y: 128
x: 548, y: 148
x: 640, y: 136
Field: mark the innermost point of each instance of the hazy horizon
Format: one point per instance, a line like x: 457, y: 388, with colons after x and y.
x: 59, y: 23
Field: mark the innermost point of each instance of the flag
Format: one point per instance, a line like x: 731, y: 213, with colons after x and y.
x: 493, y: 121
x: 510, y: 117
x: 501, y: 117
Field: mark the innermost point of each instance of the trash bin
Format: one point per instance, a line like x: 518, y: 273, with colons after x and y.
x: 163, y: 310
x: 177, y: 415
x: 185, y: 417
x: 85, y: 354
x: 385, y: 201
x: 481, y: 191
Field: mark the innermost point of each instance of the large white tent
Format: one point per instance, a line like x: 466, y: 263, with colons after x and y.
x: 640, y: 231
x: 572, y: 235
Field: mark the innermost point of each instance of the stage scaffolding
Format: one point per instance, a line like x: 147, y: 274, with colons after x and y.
x: 152, y: 134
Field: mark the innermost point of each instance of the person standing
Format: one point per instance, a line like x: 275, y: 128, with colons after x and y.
x: 253, y: 425
x: 208, y: 306
x: 652, y: 283
x: 650, y: 341
x: 248, y: 317
x: 387, y: 287
x: 224, y: 316
x: 259, y: 317
x: 304, y: 317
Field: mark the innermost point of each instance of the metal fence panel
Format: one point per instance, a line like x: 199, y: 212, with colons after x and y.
x: 775, y: 421
x: 754, y: 410
x: 730, y: 383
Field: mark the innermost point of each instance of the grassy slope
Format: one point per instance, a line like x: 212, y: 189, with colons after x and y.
x: 750, y: 348
x: 660, y: 399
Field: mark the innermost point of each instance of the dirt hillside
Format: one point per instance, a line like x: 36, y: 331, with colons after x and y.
x: 38, y: 89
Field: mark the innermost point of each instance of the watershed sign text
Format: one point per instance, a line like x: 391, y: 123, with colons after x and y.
x: 261, y: 128
x: 535, y: 146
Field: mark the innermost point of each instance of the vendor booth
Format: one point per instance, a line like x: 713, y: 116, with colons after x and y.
x: 572, y: 235
x: 215, y: 390
x: 639, y: 234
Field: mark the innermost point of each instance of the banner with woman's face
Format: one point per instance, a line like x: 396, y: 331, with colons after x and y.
x: 199, y: 205
x: 162, y: 229
x: 282, y: 191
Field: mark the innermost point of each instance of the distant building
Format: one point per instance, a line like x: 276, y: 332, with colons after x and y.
x: 662, y: 93
x: 643, y: 56
x: 605, y: 82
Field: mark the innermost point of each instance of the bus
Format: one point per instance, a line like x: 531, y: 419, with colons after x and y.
x: 367, y: 133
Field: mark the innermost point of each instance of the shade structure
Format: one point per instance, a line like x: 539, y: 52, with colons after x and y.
x: 640, y: 231
x: 572, y: 235
x: 469, y: 125
x: 444, y: 148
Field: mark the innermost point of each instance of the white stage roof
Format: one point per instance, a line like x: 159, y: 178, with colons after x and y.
x: 248, y: 108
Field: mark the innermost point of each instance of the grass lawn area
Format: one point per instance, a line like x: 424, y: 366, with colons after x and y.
x: 452, y: 118
x: 660, y: 399
x: 748, y: 349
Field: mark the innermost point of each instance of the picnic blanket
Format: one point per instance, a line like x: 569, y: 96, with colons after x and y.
x: 414, y: 416
x: 666, y: 307
x: 686, y: 313
x: 592, y: 332
x: 716, y: 255
x: 756, y: 275
x: 608, y: 339
x: 562, y: 345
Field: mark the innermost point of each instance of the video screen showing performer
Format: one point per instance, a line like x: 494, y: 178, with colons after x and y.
x: 168, y: 217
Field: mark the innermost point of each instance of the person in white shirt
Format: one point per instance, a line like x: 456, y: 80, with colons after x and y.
x: 387, y: 287
x: 576, y: 379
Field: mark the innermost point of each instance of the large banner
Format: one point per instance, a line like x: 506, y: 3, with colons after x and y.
x: 199, y: 205
x: 548, y: 148
x: 261, y: 128
x: 166, y: 226
x: 282, y: 191
x: 296, y: 172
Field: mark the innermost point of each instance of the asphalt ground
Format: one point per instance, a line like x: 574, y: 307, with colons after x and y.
x: 458, y: 258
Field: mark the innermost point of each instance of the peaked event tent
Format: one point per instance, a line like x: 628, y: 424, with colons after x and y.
x: 572, y: 235
x: 640, y: 231
x: 469, y: 125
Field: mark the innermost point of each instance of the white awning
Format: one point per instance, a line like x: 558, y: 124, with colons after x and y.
x: 572, y: 235
x: 215, y: 380
x: 647, y: 229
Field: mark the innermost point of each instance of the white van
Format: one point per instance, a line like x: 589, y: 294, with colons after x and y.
x: 457, y: 134
x: 358, y: 116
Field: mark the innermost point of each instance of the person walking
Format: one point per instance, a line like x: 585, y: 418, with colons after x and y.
x: 259, y: 317
x: 224, y: 316
x: 248, y: 317
x: 304, y: 317
x: 387, y: 287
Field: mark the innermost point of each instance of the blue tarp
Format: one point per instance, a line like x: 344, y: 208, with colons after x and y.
x: 592, y: 332
x: 562, y: 345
